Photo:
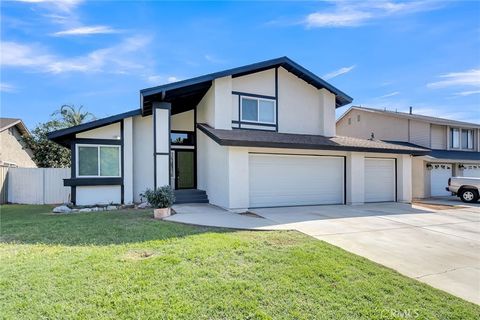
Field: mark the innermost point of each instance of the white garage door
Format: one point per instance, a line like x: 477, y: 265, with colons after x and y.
x: 471, y: 170
x: 439, y: 175
x: 287, y: 180
x: 379, y: 180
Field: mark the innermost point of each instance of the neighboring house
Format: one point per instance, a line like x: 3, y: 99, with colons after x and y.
x: 13, y: 151
x: 255, y: 136
x: 455, y: 145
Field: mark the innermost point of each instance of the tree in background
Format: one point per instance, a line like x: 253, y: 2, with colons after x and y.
x: 46, y: 153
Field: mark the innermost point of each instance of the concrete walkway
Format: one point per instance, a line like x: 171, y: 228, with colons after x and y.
x: 209, y: 215
x: 438, y: 247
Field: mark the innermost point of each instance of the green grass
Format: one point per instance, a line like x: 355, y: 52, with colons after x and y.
x: 125, y: 265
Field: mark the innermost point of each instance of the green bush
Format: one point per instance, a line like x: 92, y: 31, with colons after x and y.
x: 162, y: 197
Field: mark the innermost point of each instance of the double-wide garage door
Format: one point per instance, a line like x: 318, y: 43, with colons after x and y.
x: 287, y: 180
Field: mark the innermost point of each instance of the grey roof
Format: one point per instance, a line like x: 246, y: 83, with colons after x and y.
x: 271, y: 139
x: 190, y: 91
x: 414, y: 116
x: 6, y: 123
x: 454, y: 155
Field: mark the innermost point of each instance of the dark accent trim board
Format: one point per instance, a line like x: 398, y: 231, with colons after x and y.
x: 93, y: 181
x: 396, y: 181
x: 254, y: 123
x: 102, y: 141
x: 73, y: 171
x: 344, y: 179
x: 253, y: 95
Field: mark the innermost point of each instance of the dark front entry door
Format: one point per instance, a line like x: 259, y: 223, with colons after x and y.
x: 184, y: 169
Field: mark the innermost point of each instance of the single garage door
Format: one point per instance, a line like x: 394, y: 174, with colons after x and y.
x: 471, y: 170
x: 287, y: 180
x: 379, y: 180
x: 439, y: 175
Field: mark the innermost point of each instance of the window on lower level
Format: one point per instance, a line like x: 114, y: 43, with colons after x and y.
x: 455, y: 138
x: 467, y: 139
x: 258, y: 110
x: 98, y: 161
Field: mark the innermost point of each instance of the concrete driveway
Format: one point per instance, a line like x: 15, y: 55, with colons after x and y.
x: 438, y: 247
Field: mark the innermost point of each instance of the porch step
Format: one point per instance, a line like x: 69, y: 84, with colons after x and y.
x: 190, y: 196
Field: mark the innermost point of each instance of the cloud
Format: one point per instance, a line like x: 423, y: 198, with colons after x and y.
x: 121, y: 58
x: 6, y: 87
x: 356, y: 13
x: 86, y: 30
x: 160, y: 79
x: 392, y: 94
x: 56, y: 5
x: 213, y: 59
x: 338, y: 72
x: 467, y: 93
x: 469, y: 78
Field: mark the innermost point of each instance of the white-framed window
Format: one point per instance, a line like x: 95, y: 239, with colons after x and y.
x: 467, y: 139
x: 455, y: 138
x: 98, y: 161
x: 258, y: 110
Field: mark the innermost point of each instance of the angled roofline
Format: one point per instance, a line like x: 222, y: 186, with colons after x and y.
x: 17, y: 123
x: 291, y: 66
x: 58, y: 135
x: 419, y: 117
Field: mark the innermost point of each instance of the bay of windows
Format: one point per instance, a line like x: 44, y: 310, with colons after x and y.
x: 98, y: 161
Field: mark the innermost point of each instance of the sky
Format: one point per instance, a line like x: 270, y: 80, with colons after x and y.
x: 99, y: 54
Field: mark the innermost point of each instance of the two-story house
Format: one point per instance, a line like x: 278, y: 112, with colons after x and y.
x: 454, y: 145
x: 260, y: 135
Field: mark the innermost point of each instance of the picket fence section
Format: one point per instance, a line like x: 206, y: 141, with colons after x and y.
x: 38, y: 185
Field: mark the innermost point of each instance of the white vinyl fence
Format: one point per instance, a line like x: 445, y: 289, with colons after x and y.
x: 38, y: 185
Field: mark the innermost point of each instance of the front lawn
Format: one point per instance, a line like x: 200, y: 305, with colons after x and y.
x: 125, y: 265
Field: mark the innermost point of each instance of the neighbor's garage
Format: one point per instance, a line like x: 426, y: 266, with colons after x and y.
x: 287, y: 180
x: 471, y: 170
x: 439, y: 175
x: 379, y: 180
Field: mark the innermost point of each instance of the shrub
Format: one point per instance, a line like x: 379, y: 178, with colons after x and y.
x: 162, y: 197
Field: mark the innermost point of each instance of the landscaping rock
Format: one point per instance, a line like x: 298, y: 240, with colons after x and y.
x: 85, y: 210
x: 109, y: 208
x: 144, y: 205
x: 62, y: 209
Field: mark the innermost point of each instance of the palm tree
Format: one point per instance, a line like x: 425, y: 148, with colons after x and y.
x: 72, y: 116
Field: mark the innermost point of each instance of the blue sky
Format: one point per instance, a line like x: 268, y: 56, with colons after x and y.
x: 385, y: 54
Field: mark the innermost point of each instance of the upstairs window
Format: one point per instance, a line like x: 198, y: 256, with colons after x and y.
x: 467, y: 139
x: 182, y: 138
x: 258, y: 110
x: 455, y: 138
x: 98, y: 161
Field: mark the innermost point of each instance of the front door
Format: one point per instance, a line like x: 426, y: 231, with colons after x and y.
x: 184, y: 169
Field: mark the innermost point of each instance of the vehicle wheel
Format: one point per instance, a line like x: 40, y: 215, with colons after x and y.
x: 469, y: 196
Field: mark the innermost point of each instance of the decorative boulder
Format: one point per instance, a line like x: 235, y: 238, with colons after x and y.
x: 62, y: 209
x: 85, y: 210
x: 109, y: 208
x: 144, y: 205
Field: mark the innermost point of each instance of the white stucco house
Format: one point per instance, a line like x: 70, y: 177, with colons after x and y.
x: 454, y: 146
x: 260, y: 135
